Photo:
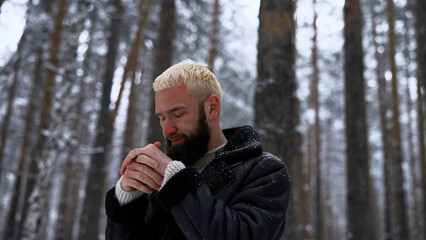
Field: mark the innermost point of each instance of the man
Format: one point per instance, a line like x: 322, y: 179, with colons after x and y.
x: 211, y: 184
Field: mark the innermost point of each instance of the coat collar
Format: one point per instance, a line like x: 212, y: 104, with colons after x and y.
x: 243, y: 144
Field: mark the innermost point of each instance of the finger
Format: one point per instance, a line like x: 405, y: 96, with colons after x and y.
x: 144, y: 159
x: 145, y: 174
x: 132, y: 155
x: 137, y: 185
x: 158, y: 145
x: 126, y: 161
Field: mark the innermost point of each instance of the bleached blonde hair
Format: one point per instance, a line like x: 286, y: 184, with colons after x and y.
x: 199, y: 80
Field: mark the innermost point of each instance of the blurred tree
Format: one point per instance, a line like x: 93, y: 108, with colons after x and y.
x: 399, y: 208
x: 420, y: 14
x: 314, y: 138
x: 77, y: 117
x: 35, y: 209
x: 359, y: 223
x: 20, y: 193
x: 383, y: 100
x: 162, y: 60
x: 11, y: 98
x: 276, y: 107
x: 415, y: 201
x: 130, y: 72
x: 97, y: 170
x: 213, y: 35
x: 130, y: 67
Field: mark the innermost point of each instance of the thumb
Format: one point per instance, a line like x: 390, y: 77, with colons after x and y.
x: 158, y: 145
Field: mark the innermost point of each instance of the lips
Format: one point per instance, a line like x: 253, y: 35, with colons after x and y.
x: 176, y: 139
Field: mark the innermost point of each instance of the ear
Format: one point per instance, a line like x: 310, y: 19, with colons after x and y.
x: 212, y: 107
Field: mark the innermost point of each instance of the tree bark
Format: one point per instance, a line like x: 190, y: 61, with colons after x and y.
x: 319, y: 206
x: 416, y: 200
x: 10, y: 99
x: 20, y: 190
x: 276, y: 107
x: 34, y: 210
x: 400, y: 217
x: 421, y: 83
x: 130, y: 68
x: 95, y: 188
x: 213, y: 35
x: 358, y: 179
x: 162, y: 60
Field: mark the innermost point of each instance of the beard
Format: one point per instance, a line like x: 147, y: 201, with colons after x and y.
x: 193, y: 146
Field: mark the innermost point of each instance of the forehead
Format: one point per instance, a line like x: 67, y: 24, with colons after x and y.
x: 169, y: 98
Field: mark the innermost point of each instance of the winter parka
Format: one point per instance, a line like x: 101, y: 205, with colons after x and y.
x: 242, y: 194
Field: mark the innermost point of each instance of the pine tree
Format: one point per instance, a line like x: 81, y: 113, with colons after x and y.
x: 358, y: 179
x: 276, y: 107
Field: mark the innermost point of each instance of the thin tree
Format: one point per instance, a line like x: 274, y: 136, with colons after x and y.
x: 316, y: 138
x: 400, y: 215
x: 359, y: 222
x: 416, y: 206
x: 1, y: 4
x: 11, y: 98
x: 32, y: 210
x: 422, y: 152
x: 213, y: 35
x: 421, y: 42
x: 77, y: 122
x: 383, y: 99
x: 19, y: 190
x: 420, y: 14
x: 276, y: 107
x: 130, y: 67
x: 129, y: 131
x: 97, y: 171
x: 162, y: 60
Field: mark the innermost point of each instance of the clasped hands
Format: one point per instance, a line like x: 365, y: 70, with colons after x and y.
x: 143, y: 168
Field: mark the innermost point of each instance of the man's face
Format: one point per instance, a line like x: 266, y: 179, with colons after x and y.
x: 184, y: 124
x: 194, y: 146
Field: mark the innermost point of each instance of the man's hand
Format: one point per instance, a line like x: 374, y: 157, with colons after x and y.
x: 143, y: 168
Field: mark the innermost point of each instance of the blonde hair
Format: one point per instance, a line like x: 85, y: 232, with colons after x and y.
x: 199, y: 80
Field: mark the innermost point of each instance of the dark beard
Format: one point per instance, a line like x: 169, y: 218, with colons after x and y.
x: 194, y: 146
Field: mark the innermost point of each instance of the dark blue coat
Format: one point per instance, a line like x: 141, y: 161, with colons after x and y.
x: 242, y: 194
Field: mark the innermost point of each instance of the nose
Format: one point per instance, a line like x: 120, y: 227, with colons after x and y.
x: 168, y: 128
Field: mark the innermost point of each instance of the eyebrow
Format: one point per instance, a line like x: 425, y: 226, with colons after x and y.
x: 173, y: 110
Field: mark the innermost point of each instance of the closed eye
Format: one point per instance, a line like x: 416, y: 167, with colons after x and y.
x: 179, y: 114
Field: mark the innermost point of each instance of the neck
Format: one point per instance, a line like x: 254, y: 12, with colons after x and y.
x: 217, y: 138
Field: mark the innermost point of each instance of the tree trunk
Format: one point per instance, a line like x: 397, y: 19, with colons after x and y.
x: 72, y: 167
x: 130, y: 68
x: 416, y: 200
x: 33, y: 219
x: 421, y: 81
x: 1, y: 4
x: 383, y: 100
x: 163, y: 60
x: 358, y: 179
x: 400, y: 217
x: 128, y: 142
x: 10, y: 100
x: 421, y: 42
x: 20, y: 190
x: 422, y: 152
x: 319, y: 206
x: 276, y: 107
x: 95, y: 188
x: 213, y: 35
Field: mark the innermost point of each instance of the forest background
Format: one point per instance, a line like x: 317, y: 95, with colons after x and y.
x: 335, y: 88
